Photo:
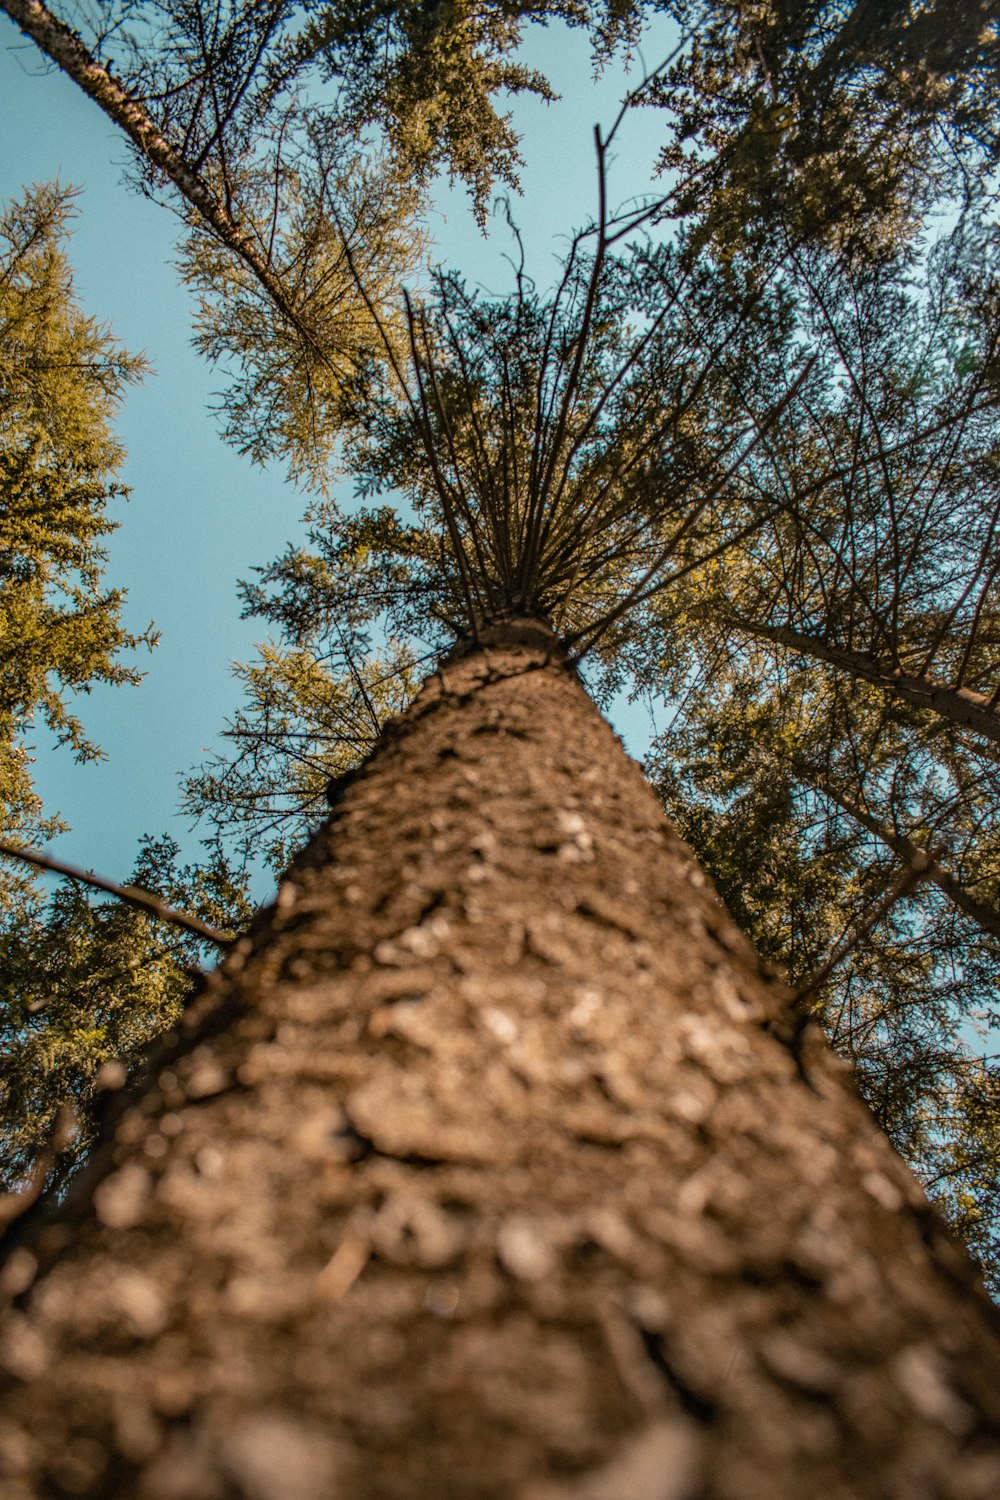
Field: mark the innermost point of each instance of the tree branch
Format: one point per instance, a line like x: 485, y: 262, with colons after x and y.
x: 960, y: 705
x: 67, y: 50
x: 142, y: 900
x: 981, y: 912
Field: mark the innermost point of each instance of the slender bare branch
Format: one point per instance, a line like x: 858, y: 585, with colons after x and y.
x: 143, y: 901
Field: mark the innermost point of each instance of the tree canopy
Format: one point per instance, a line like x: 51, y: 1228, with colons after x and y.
x: 824, y: 120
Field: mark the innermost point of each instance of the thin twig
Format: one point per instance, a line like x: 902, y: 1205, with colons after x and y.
x: 585, y: 640
x: 15, y: 1205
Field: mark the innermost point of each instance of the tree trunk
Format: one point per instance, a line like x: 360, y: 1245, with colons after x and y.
x: 491, y: 1165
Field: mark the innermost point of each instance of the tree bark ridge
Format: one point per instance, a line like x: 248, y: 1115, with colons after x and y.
x: 509, y: 1178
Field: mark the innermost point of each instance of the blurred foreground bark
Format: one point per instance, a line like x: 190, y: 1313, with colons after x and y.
x: 490, y: 1165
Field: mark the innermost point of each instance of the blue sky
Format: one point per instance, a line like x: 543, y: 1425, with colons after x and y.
x: 201, y: 516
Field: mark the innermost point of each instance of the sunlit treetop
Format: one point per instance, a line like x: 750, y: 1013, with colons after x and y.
x: 429, y: 80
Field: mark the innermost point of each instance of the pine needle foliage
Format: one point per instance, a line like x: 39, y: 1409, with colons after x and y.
x: 62, y: 378
x: 423, y: 81
x: 829, y: 122
x: 85, y: 983
x: 295, y: 380
x: 882, y: 561
x: 313, y: 708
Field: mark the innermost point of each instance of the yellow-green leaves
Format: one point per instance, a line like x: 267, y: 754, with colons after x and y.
x: 341, y: 236
x: 62, y: 376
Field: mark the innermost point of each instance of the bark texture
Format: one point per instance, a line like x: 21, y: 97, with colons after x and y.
x: 492, y: 1166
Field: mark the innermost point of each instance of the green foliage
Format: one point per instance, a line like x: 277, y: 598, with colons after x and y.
x: 62, y: 377
x: 79, y: 983
x: 420, y: 79
x: 84, y: 983
x: 294, y: 384
x: 312, y: 711
x: 811, y: 119
x: 879, y: 486
x: 961, y: 1169
x: 429, y: 73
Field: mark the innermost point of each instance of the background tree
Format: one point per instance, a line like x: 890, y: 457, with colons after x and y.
x: 89, y: 984
x: 81, y: 983
x: 828, y: 122
x: 62, y: 376
x: 887, y: 570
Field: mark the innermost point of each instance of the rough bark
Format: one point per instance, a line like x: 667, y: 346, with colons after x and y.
x: 492, y: 1166
x: 959, y: 705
